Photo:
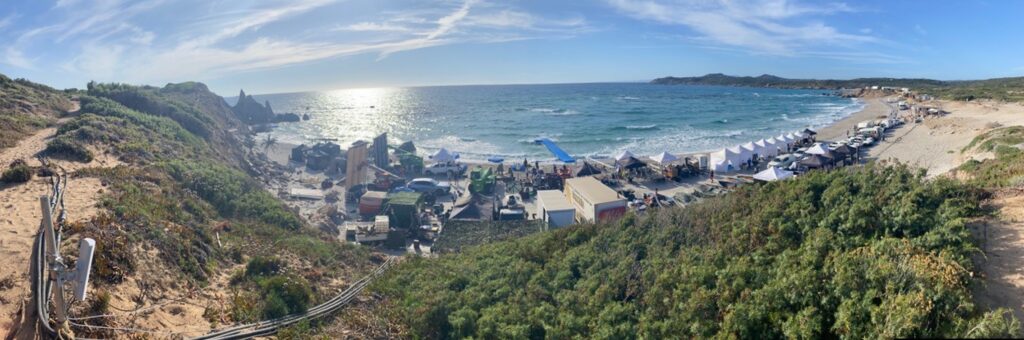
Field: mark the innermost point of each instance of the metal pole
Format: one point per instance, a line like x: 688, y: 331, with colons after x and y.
x: 53, y: 257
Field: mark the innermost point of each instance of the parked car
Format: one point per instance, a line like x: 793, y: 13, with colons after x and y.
x: 445, y: 169
x: 783, y: 161
x: 869, y: 141
x: 429, y: 185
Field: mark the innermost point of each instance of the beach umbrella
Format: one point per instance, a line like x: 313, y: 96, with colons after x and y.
x: 665, y: 158
x: 813, y: 161
x: 773, y: 174
x: 819, y: 149
x: 495, y: 159
x: 443, y: 155
x: 624, y: 156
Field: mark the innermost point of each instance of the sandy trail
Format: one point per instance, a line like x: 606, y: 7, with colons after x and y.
x: 1003, y: 283
x: 21, y: 215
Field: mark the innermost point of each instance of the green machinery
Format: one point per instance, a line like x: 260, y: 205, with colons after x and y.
x: 481, y: 180
x: 410, y: 162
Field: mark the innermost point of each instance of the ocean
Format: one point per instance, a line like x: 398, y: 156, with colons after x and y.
x: 595, y: 120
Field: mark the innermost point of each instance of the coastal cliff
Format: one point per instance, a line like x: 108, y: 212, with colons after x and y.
x: 252, y: 112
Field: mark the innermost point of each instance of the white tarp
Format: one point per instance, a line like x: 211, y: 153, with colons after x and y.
x: 819, y: 149
x: 665, y: 158
x: 773, y: 174
x: 442, y: 156
x: 624, y: 156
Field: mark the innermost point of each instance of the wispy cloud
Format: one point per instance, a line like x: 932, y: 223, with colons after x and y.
x: 775, y: 27
x: 108, y: 42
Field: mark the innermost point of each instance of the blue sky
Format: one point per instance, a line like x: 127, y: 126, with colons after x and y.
x: 282, y: 46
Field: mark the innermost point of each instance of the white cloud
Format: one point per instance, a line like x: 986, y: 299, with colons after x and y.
x: 777, y: 27
x: 374, y: 27
x: 108, y: 41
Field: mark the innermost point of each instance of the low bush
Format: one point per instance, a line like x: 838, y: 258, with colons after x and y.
x: 67, y: 147
x: 19, y: 173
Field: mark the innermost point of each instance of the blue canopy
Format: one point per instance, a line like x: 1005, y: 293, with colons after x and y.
x: 495, y: 159
x: 557, y: 151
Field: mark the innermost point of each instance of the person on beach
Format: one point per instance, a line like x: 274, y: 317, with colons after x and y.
x: 711, y: 176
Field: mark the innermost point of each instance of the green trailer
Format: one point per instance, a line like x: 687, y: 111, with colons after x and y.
x: 404, y: 208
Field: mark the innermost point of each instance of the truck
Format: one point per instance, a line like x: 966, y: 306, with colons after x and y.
x: 446, y: 168
x: 593, y: 200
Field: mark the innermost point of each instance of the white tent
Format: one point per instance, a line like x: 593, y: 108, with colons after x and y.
x: 723, y: 166
x: 794, y: 137
x: 721, y: 159
x: 443, y: 156
x: 665, y: 158
x: 775, y: 146
x: 767, y: 149
x: 624, y: 156
x: 820, y: 149
x: 753, y: 148
x: 744, y: 154
x: 773, y: 174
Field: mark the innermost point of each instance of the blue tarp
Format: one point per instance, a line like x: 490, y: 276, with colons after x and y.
x: 559, y: 153
x: 495, y: 159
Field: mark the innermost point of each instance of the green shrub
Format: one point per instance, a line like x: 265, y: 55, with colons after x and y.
x: 285, y: 295
x: 65, y: 146
x: 859, y: 252
x: 19, y: 173
x: 262, y: 266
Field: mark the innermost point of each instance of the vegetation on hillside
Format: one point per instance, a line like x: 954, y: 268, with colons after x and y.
x: 1006, y: 89
x: 25, y: 107
x: 184, y: 195
x: 872, y: 252
x: 1006, y: 168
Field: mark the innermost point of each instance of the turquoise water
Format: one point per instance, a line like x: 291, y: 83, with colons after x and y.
x: 584, y: 119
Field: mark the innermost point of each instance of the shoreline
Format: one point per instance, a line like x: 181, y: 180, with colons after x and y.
x: 872, y: 108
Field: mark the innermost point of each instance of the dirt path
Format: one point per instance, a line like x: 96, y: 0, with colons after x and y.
x: 21, y: 215
x: 1003, y: 266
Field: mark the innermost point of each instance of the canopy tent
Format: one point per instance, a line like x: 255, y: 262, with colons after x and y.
x: 767, y: 149
x: 753, y: 149
x: 723, y: 166
x: 820, y: 149
x: 587, y: 170
x: 665, y: 158
x: 809, y: 132
x: 814, y: 161
x: 786, y: 142
x: 721, y: 156
x: 794, y: 137
x: 633, y: 163
x: 625, y: 155
x: 443, y: 155
x: 775, y: 146
x: 773, y: 174
x: 744, y: 154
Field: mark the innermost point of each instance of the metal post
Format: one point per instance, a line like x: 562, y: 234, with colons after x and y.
x: 56, y: 266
